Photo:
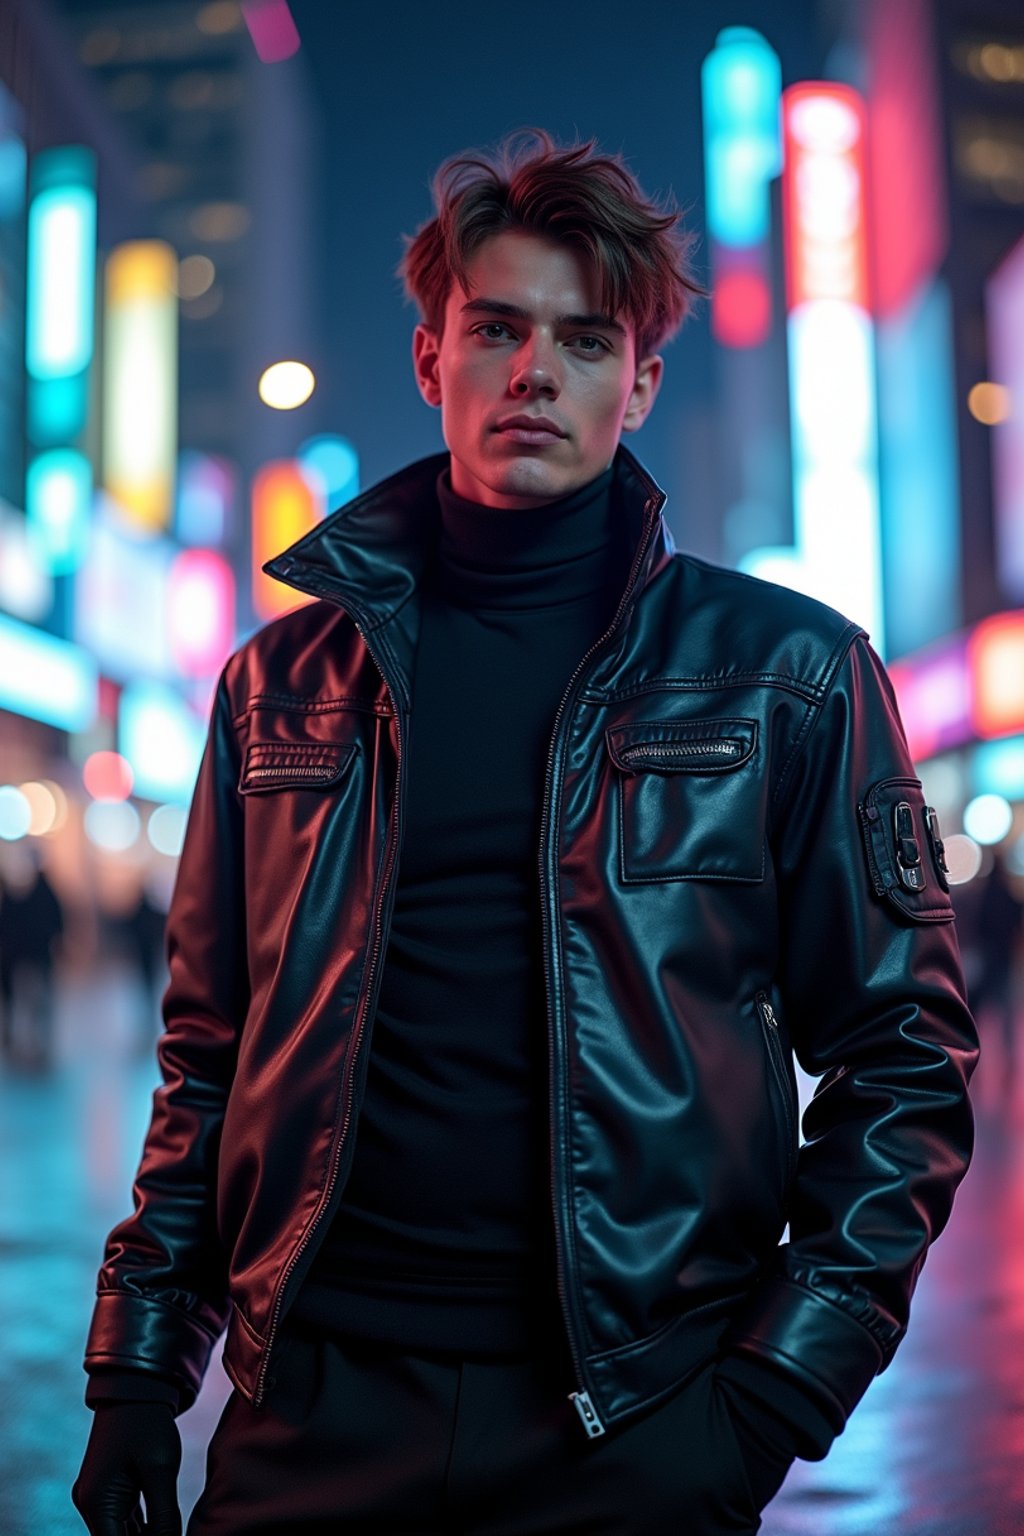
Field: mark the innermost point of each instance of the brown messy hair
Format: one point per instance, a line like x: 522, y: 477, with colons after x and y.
x: 568, y: 193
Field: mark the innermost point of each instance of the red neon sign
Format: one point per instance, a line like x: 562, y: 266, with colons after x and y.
x: 823, y: 194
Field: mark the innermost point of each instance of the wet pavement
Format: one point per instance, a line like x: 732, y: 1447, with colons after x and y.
x: 936, y: 1448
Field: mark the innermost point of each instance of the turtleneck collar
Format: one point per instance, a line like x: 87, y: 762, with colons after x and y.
x: 532, y: 557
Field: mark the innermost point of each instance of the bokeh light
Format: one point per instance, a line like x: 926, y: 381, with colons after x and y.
x: 963, y: 857
x: 989, y: 403
x: 43, y: 807
x: 988, y: 818
x: 107, y: 776
x: 285, y: 385
x: 112, y: 825
x: 15, y: 814
x: 166, y: 828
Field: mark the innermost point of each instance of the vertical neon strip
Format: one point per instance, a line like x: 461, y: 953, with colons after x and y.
x: 740, y: 91
x: 140, y: 396
x: 58, y: 499
x: 61, y: 267
x: 1004, y: 310
x: 831, y: 352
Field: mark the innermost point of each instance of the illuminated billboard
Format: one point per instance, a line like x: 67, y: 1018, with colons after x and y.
x: 121, y: 600
x: 61, y: 291
x: 162, y: 740
x: 46, y: 678
x: 140, y: 375
x: 831, y: 353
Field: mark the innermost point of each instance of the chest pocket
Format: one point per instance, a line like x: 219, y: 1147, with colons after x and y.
x: 271, y: 765
x: 690, y: 803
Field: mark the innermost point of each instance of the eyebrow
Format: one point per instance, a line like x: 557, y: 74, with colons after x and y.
x: 516, y: 312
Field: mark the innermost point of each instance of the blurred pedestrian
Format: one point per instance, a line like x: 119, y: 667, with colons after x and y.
x: 997, y: 942
x: 31, y: 924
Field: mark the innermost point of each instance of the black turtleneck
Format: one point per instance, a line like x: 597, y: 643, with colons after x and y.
x: 443, y: 1236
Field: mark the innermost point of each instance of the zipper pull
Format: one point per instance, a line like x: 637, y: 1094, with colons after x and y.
x: 767, y: 1009
x: 585, y: 1408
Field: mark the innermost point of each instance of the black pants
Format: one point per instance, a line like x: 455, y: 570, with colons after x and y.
x: 359, y: 1437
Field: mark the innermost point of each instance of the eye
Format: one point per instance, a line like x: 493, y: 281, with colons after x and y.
x: 492, y: 326
x: 599, y: 344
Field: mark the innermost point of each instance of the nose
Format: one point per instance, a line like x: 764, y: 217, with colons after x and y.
x: 535, y: 369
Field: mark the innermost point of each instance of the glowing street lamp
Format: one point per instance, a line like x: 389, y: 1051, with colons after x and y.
x: 285, y: 385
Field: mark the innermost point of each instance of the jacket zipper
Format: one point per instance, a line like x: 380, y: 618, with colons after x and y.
x: 340, y: 1137
x: 580, y: 1397
x: 726, y: 747
x: 775, y: 1055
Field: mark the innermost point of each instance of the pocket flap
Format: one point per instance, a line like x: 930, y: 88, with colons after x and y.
x: 681, y: 746
x: 294, y: 765
x: 904, y: 851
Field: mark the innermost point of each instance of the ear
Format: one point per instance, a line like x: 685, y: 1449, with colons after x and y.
x: 644, y: 393
x: 425, y: 357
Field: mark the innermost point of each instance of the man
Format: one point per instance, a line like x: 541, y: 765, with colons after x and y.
x: 519, y: 864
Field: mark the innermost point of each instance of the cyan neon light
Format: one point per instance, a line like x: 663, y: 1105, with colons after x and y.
x: 334, y: 463
x: 61, y: 262
x: 58, y: 496
x: 919, y: 472
x: 741, y: 84
x: 997, y: 768
x: 162, y: 740
x: 46, y: 678
x: 13, y: 167
x: 60, y: 301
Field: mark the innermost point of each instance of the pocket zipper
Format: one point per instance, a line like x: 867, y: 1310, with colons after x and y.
x: 724, y: 748
x: 309, y: 771
x: 770, y: 1030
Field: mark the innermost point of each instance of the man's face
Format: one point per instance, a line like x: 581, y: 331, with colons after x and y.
x: 528, y: 340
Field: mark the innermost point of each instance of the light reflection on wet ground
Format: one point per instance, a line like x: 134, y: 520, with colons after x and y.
x: 936, y: 1447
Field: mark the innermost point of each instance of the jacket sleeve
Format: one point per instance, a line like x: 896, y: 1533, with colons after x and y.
x: 162, y: 1295
x: 871, y: 996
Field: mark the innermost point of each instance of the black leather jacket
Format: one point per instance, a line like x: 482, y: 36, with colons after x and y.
x: 726, y: 876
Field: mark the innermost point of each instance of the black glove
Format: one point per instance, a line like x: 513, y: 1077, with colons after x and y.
x: 134, y: 1449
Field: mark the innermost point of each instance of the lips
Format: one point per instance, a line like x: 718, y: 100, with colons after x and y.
x: 536, y: 430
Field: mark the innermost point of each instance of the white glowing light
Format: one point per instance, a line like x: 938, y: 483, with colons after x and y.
x: 988, y: 818
x: 963, y: 856
x: 286, y: 385
x: 112, y: 824
x: 166, y: 829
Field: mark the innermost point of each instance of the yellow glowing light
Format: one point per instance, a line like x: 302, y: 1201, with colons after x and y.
x: 989, y: 403
x: 42, y: 804
x: 195, y: 276
x: 284, y: 507
x: 140, y: 380
x: 285, y: 385
x: 218, y: 18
